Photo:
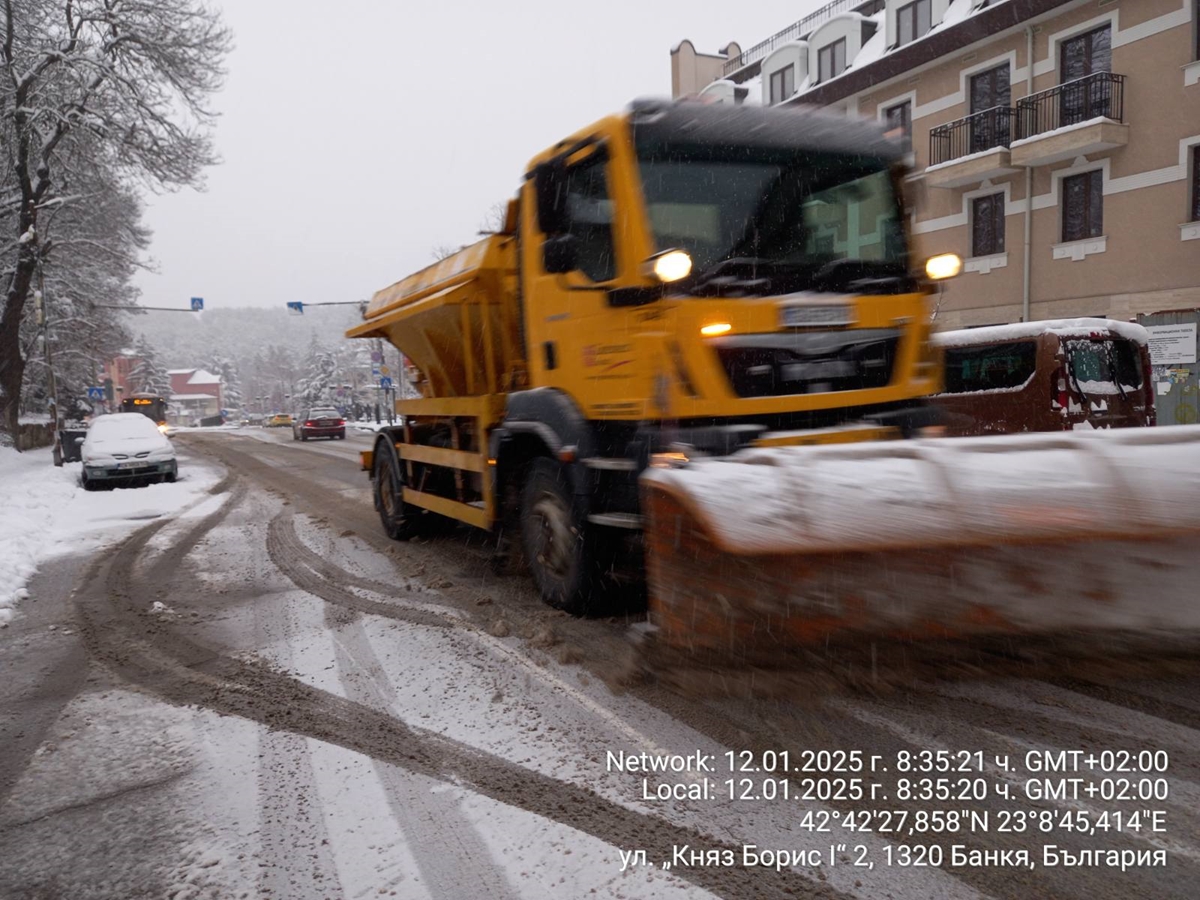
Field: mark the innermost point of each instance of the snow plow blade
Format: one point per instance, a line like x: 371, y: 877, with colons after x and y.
x: 769, y: 551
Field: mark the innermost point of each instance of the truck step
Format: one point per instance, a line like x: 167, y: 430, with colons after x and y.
x: 610, y: 463
x: 617, y: 520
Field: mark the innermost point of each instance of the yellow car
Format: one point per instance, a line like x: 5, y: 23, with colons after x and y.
x: 279, y: 420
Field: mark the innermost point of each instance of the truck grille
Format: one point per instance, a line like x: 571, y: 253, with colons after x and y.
x: 772, y: 365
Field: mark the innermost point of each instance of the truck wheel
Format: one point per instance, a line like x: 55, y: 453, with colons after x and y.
x: 399, y: 519
x: 561, y: 554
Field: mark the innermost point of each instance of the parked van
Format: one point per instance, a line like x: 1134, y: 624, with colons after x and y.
x: 1046, y: 376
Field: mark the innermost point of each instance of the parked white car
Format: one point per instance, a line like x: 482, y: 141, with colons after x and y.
x: 123, y: 448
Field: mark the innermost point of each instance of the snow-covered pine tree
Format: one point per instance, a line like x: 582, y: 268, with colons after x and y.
x: 231, y: 384
x: 149, y: 376
x: 320, y: 375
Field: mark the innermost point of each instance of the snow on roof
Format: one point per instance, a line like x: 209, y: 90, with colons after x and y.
x: 956, y: 12
x: 184, y: 397
x: 874, y: 49
x: 875, y: 46
x: 754, y: 86
x: 203, y: 376
x: 179, y: 371
x: 1065, y: 327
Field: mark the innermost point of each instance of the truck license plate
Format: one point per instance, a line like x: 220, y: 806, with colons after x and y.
x: 815, y: 316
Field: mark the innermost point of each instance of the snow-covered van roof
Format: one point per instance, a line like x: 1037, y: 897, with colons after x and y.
x: 1064, y: 327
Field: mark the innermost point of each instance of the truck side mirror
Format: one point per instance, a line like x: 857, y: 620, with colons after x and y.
x: 558, y: 254
x: 550, y: 184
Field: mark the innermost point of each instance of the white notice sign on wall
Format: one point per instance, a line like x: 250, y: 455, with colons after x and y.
x: 1171, y: 344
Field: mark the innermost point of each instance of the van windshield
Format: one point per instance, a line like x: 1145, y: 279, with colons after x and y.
x: 1105, y: 366
x: 992, y: 367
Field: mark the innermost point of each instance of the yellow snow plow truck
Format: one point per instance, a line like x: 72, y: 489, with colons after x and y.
x: 684, y: 296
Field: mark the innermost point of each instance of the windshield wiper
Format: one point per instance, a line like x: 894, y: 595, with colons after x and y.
x: 1114, y: 367
x: 732, y: 262
x: 715, y: 275
x: 1075, y: 379
x: 846, y: 274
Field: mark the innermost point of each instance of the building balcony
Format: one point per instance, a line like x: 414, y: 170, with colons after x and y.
x: 970, y: 149
x: 1079, y: 117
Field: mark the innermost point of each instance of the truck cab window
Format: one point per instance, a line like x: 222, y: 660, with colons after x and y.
x: 591, y: 212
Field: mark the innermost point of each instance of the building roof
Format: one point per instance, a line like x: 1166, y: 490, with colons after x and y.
x: 183, y: 397
x: 947, y: 38
x: 203, y: 376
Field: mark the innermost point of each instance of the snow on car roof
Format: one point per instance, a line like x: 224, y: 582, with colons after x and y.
x: 134, y: 424
x: 1065, y: 327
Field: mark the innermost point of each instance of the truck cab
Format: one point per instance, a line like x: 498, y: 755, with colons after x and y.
x: 791, y: 303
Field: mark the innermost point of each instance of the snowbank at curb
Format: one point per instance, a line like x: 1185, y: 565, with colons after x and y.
x: 46, y: 513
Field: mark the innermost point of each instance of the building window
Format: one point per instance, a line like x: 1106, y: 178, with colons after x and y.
x: 1080, y: 57
x: 991, y: 95
x: 1196, y: 183
x: 1083, y: 206
x: 831, y: 60
x: 913, y: 21
x: 899, y: 122
x: 783, y: 84
x: 1086, y: 54
x: 987, y: 225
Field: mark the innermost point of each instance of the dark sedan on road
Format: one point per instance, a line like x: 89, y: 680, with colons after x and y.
x: 322, y: 421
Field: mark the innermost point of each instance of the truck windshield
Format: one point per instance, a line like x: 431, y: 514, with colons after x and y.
x: 757, y: 222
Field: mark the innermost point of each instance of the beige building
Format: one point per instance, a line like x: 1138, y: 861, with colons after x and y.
x: 1055, y: 143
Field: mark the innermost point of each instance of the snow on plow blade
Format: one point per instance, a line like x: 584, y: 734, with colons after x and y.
x: 777, y: 549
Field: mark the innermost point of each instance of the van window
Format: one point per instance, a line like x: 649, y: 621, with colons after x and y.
x: 990, y: 367
x: 1096, y: 364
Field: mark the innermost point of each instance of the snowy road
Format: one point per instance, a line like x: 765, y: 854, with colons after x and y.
x: 314, y: 711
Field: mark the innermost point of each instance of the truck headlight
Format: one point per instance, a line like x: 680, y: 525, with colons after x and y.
x: 670, y: 265
x: 942, y: 266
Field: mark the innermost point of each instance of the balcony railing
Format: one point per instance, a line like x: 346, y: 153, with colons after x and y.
x: 797, y: 30
x: 1090, y: 97
x: 1094, y: 96
x: 972, y: 134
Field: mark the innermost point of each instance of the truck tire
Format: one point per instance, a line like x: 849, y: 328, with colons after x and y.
x: 563, y: 554
x: 400, y: 520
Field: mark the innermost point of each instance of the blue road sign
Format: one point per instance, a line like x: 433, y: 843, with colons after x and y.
x: 295, y: 307
x: 95, y: 393
x: 376, y: 356
x: 197, y: 304
x: 385, y: 383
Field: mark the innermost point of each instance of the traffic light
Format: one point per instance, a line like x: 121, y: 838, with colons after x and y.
x: 108, y: 390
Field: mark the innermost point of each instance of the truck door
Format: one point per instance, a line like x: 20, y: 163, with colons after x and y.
x: 578, y: 341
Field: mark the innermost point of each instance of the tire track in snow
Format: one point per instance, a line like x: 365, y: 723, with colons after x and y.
x: 453, y: 860
x: 293, y: 557
x: 151, y: 654
x: 724, y: 821
x: 294, y: 843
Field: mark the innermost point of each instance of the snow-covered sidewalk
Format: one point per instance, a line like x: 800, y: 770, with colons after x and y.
x: 44, y: 513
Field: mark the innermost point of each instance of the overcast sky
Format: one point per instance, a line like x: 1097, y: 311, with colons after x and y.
x: 358, y: 134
